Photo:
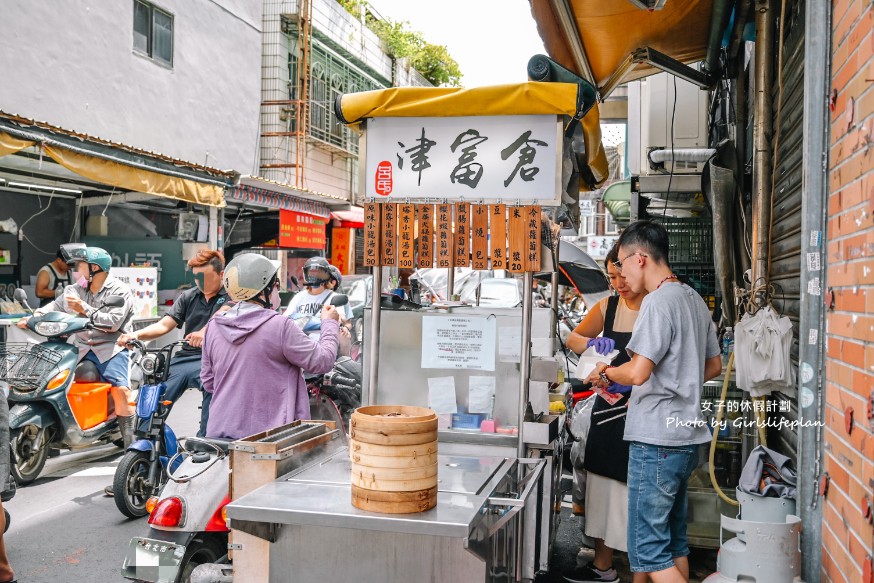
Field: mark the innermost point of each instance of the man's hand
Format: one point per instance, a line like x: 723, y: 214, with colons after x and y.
x: 595, y: 377
x: 75, y: 304
x: 22, y: 323
x: 195, y: 339
x: 330, y: 312
x: 345, y: 342
x: 124, y: 339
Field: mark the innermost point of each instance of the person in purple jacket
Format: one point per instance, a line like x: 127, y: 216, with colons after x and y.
x: 253, y: 356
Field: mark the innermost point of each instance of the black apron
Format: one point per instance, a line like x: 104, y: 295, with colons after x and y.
x: 606, y: 451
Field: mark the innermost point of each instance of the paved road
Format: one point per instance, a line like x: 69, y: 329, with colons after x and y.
x: 63, y: 527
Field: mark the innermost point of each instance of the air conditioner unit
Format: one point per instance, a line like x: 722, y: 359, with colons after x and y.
x: 650, y: 106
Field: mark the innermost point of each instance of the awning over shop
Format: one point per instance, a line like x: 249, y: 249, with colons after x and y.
x: 601, y: 38
x: 353, y: 218
x: 115, y: 164
x: 269, y: 194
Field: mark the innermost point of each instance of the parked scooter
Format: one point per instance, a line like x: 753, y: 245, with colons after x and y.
x: 335, y: 395
x: 56, y: 401
x: 187, y: 527
x: 143, y: 469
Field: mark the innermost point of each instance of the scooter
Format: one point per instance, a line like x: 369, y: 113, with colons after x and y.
x: 335, y: 395
x: 55, y: 400
x: 187, y: 526
x: 144, y: 468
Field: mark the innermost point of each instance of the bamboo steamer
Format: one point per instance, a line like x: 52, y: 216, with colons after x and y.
x: 399, y: 502
x: 393, y: 450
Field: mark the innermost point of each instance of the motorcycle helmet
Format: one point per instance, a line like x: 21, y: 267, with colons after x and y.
x: 248, y: 275
x: 336, y: 276
x: 76, y: 252
x: 316, y: 264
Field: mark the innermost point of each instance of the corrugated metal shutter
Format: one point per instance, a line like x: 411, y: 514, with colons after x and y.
x: 785, y: 268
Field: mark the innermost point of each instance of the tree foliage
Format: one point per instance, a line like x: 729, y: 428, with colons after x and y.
x: 433, y: 61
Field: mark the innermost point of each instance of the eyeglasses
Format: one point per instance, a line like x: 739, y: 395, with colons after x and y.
x: 618, y: 264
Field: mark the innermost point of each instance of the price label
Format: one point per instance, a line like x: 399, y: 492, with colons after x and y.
x: 462, y: 234
x: 445, y: 248
x: 480, y: 237
x: 532, y: 257
x: 389, y: 233
x: 498, y: 235
x: 518, y: 240
x: 372, y: 220
x: 425, y: 247
x: 406, y: 228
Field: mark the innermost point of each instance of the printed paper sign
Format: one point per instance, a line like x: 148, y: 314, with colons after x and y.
x: 458, y: 342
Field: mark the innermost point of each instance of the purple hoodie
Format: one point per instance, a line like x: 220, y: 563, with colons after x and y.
x: 252, y: 362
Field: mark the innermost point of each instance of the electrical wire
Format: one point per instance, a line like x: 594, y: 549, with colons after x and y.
x: 33, y: 216
x: 671, y: 177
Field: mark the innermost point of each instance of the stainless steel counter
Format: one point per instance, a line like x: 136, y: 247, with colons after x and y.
x: 321, y: 495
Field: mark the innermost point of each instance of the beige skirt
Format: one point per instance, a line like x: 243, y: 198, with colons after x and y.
x: 607, y: 511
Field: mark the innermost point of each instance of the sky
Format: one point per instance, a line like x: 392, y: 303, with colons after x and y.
x: 491, y: 40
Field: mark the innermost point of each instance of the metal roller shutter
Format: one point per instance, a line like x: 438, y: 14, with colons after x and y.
x: 785, y: 252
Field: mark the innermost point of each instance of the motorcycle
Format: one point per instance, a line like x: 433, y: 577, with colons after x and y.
x: 55, y: 400
x: 144, y: 468
x: 187, y: 527
x: 335, y: 395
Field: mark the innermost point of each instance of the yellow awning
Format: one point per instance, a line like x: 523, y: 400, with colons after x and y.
x: 610, y: 30
x: 122, y: 175
x: 518, y: 99
x: 530, y: 98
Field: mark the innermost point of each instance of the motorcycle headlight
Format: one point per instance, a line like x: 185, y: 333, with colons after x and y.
x: 149, y: 363
x: 50, y: 328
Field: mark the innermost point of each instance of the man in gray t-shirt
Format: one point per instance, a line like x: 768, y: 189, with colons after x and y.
x: 673, y: 352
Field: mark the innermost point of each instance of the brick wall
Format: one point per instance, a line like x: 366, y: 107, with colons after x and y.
x: 847, y: 541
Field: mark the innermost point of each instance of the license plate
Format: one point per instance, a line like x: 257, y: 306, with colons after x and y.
x: 152, y: 561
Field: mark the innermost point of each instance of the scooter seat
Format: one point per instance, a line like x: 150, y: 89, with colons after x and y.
x: 195, y: 445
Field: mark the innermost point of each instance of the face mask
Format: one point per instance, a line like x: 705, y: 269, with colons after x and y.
x: 275, y: 301
x: 199, y: 280
x: 82, y: 282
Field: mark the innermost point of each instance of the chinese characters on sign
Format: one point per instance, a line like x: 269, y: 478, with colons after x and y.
x: 301, y: 230
x: 425, y: 246
x: 406, y: 226
x: 485, y: 157
x: 342, y: 254
x: 462, y: 234
x: 445, y: 249
x: 372, y: 220
x: 598, y: 247
x: 389, y: 234
x: 498, y: 235
x: 480, y: 237
x: 518, y: 245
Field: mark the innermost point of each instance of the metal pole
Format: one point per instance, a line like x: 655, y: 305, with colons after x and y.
x: 525, y: 366
x: 450, y: 283
x: 553, y: 317
x: 373, y: 353
x: 814, y: 185
x: 762, y: 142
x: 213, y: 227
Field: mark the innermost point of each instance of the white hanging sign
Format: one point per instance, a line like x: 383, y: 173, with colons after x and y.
x: 510, y: 158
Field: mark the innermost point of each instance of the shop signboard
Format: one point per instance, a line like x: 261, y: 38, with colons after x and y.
x: 511, y: 158
x: 165, y: 255
x: 301, y: 230
x: 342, y: 254
x: 599, y: 246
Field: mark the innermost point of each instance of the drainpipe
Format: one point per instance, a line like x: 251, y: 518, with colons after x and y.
x: 718, y: 20
x: 814, y: 184
x: 762, y: 142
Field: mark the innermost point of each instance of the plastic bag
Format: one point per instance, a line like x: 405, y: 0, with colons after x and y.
x: 581, y: 419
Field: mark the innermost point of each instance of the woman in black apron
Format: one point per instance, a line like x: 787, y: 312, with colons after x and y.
x: 606, y: 457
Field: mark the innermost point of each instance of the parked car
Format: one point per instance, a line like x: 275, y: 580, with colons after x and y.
x: 359, y: 288
x: 495, y: 292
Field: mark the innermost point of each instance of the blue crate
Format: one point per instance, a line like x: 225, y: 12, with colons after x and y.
x: 467, y: 420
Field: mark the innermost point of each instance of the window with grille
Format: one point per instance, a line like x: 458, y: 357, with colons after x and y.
x: 153, y: 32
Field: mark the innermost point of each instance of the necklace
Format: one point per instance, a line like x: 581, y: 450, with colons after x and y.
x: 672, y: 276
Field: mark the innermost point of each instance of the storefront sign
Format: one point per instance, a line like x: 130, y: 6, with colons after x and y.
x: 163, y: 254
x: 458, y: 342
x: 342, y: 254
x: 475, y: 158
x: 598, y: 247
x: 301, y: 231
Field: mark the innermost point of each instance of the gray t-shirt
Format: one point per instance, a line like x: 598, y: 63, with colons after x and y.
x: 673, y: 330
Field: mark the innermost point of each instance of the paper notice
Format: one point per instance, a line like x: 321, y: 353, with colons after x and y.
x: 510, y: 344
x: 441, y: 395
x: 458, y: 342
x: 482, y: 390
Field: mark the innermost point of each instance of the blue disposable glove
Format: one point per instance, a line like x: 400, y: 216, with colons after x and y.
x: 617, y: 389
x: 603, y: 346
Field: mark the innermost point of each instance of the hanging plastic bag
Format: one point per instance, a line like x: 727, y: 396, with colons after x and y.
x: 581, y: 419
x: 762, y: 344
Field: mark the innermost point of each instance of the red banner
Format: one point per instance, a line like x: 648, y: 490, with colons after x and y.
x: 301, y: 231
x: 342, y: 253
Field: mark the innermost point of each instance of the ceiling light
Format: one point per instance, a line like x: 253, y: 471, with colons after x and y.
x: 41, y: 187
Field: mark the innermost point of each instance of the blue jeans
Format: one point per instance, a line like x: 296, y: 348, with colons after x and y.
x: 657, y: 504
x: 185, y: 374
x: 115, y: 371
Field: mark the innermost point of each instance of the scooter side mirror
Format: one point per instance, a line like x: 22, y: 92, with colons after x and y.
x: 21, y: 297
x: 338, y: 300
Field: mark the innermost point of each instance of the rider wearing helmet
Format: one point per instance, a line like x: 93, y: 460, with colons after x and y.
x: 253, y: 336
x: 321, y: 279
x: 94, y: 284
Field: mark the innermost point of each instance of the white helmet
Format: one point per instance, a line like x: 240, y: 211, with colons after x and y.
x: 247, y: 275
